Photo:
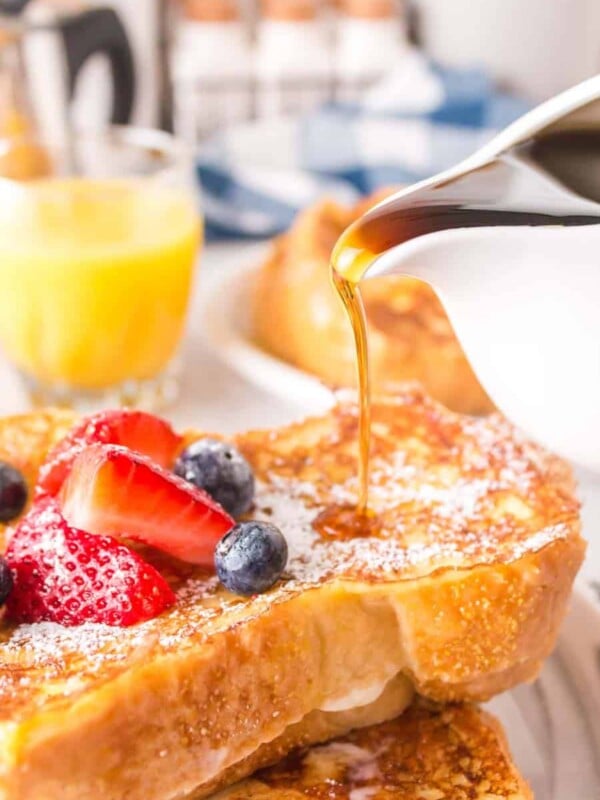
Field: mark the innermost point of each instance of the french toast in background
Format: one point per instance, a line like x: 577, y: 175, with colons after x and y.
x: 454, y: 753
x: 457, y: 593
x: 298, y: 317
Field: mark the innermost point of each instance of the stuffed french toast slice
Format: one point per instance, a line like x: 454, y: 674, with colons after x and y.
x: 458, y: 752
x: 454, y: 589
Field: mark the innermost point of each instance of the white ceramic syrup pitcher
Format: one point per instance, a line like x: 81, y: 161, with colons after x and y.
x: 525, y: 301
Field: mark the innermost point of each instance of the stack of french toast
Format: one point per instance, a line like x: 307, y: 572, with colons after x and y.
x: 179, y: 622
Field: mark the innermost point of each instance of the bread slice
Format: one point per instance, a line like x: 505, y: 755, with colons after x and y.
x: 297, y: 316
x: 453, y: 753
x: 458, y: 592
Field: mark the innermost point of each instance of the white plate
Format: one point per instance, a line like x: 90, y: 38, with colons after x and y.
x: 553, y: 725
x: 225, y: 310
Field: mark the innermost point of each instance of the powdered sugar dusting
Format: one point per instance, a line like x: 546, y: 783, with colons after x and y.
x: 398, y: 551
x: 447, y: 491
x: 46, y: 641
x: 294, y: 516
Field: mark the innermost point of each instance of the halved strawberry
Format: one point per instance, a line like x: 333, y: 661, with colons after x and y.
x: 141, y: 432
x: 112, y: 490
x: 65, y: 575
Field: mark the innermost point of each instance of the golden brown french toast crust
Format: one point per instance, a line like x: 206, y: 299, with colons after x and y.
x: 449, y: 492
x: 455, y: 753
x: 462, y: 591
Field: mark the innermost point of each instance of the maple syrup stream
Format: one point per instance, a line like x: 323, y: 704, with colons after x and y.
x: 511, y: 190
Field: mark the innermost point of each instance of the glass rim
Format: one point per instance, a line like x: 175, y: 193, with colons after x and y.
x: 137, y: 137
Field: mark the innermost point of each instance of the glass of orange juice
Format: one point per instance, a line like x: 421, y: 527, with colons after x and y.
x: 98, y: 243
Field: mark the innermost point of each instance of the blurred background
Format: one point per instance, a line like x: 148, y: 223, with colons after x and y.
x: 201, y: 64
x: 243, y: 136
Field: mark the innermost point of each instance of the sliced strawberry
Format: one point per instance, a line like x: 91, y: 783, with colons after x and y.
x: 137, y: 430
x: 65, y: 575
x: 112, y: 490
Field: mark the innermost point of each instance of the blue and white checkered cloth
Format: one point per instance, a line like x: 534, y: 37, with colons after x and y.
x: 422, y: 119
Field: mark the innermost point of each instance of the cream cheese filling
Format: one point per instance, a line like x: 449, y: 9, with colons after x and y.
x: 356, y: 698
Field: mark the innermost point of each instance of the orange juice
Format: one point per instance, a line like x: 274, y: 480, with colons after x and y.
x: 95, y: 277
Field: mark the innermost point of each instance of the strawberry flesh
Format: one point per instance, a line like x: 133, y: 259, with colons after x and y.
x: 141, y: 432
x: 114, y: 491
x: 65, y: 575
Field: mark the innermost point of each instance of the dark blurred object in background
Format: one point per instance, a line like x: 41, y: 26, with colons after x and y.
x: 43, y: 51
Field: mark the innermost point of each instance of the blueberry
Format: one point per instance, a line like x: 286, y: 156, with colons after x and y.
x: 13, y: 492
x: 221, y: 470
x: 6, y: 580
x: 251, y: 557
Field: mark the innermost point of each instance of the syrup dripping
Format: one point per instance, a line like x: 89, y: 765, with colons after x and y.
x: 506, y: 191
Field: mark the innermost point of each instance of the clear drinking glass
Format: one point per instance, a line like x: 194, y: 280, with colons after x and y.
x: 98, y: 242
